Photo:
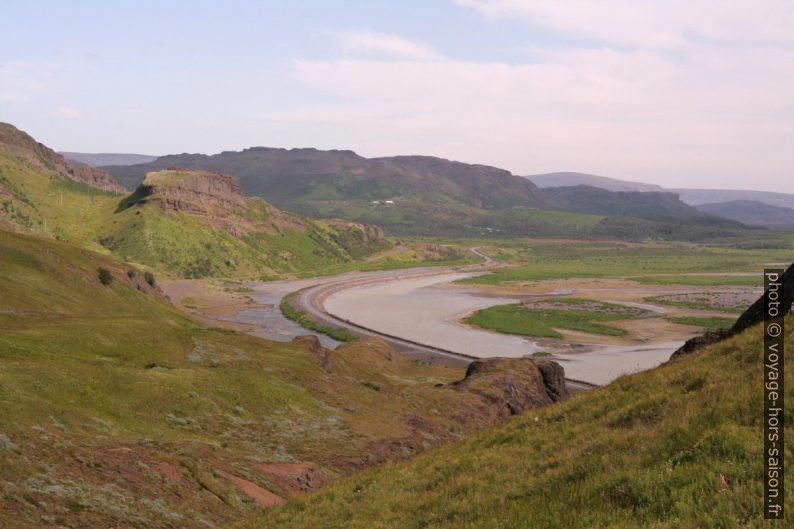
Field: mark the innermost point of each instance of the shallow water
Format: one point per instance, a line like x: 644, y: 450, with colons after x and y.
x: 274, y: 325
x: 418, y: 310
x: 413, y: 309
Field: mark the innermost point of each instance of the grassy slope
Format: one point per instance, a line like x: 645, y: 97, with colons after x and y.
x: 101, y: 384
x: 180, y: 244
x: 59, y: 208
x: 645, y: 451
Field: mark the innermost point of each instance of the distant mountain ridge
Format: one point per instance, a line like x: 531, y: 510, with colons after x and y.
x: 425, y: 195
x: 598, y: 201
x: 751, y: 212
x: 696, y: 197
x: 565, y: 179
x: 293, y: 175
x: 757, y: 208
x: 99, y: 159
x: 693, y: 197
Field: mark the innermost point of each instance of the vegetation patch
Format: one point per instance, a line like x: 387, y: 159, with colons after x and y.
x: 105, y: 277
x: 730, y: 302
x: 708, y: 323
x: 539, y: 260
x: 542, y: 318
x: 304, y: 320
x: 728, y: 280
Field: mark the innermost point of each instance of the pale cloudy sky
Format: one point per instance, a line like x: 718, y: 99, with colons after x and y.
x: 694, y: 93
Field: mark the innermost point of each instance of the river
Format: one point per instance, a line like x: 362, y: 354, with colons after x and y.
x: 427, y: 310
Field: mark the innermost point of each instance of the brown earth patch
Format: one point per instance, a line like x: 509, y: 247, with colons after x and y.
x: 171, y: 472
x: 294, y: 478
x: 262, y: 497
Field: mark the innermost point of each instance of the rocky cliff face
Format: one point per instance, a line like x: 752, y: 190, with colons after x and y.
x: 20, y: 143
x: 216, y: 199
x: 197, y: 192
x: 358, y: 239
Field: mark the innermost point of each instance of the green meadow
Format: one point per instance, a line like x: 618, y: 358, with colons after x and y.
x: 541, y: 321
x: 535, y: 260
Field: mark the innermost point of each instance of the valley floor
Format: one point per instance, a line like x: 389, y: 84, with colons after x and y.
x: 423, y: 313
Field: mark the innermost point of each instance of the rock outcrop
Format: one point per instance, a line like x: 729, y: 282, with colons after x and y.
x: 753, y: 315
x: 514, y: 385
x: 214, y: 198
x: 196, y: 192
x: 20, y: 143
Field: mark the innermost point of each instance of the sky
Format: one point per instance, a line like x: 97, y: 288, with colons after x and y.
x: 681, y: 93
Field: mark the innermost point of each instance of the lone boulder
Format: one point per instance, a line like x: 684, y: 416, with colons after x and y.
x: 514, y: 385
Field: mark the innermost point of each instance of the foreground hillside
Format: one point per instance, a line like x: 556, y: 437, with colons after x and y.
x: 646, y: 451
x: 120, y: 411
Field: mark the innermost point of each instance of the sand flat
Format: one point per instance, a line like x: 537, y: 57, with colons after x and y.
x: 417, y: 309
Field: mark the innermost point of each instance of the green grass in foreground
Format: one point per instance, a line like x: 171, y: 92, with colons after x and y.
x: 101, y: 384
x: 541, y: 322
x: 304, y: 320
x: 703, y: 280
x: 708, y: 323
x: 645, y: 451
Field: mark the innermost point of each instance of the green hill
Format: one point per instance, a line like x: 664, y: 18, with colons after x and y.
x: 190, y: 224
x: 408, y: 195
x: 198, y: 224
x: 646, y: 451
x: 120, y: 411
x: 424, y: 195
x: 304, y: 176
x: 40, y: 192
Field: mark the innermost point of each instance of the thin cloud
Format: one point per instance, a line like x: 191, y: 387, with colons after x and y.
x: 20, y: 80
x: 68, y: 113
x: 371, y: 43
x: 638, y: 114
x: 655, y: 24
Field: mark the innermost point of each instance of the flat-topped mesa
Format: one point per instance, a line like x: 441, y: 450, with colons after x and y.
x: 214, y: 198
x: 198, y: 192
x: 20, y: 143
